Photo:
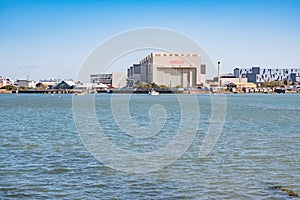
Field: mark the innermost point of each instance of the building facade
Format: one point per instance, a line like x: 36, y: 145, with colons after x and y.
x: 46, y: 84
x: 260, y: 75
x: 115, y: 79
x: 169, y: 69
x: 226, y: 79
x: 5, y: 81
x: 101, y: 78
x: 24, y: 83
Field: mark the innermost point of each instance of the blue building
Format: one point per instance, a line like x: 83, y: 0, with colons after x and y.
x: 260, y: 75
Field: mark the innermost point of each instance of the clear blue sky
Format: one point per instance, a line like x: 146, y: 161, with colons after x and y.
x: 50, y: 39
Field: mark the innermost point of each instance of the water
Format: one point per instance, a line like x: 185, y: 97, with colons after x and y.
x: 42, y: 155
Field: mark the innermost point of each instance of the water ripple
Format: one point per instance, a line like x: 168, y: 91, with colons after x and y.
x: 42, y: 156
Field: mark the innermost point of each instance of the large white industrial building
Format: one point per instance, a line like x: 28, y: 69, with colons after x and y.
x: 169, y: 69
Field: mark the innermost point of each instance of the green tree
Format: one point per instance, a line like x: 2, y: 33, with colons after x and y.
x: 154, y: 85
x: 163, y: 86
x: 9, y: 87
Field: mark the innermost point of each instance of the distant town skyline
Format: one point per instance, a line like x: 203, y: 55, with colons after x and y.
x: 51, y: 39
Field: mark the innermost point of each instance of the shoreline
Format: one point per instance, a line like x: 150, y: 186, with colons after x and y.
x: 4, y: 91
x: 136, y: 91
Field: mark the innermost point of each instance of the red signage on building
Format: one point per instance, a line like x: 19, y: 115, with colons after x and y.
x: 176, y: 62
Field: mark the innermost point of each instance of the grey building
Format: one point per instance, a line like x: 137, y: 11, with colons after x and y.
x: 24, y: 83
x: 115, y: 79
x: 101, y: 78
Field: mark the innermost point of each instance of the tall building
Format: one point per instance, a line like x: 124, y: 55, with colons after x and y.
x: 169, y: 69
x: 258, y: 75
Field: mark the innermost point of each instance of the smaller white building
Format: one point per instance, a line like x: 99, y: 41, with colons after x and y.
x: 5, y: 81
x: 91, y: 86
x: 226, y: 79
x: 25, y: 83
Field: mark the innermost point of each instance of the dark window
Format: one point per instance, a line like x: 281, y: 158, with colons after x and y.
x: 203, y: 69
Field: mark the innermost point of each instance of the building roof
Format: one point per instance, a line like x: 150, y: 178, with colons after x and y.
x: 246, y: 85
x: 46, y: 83
x: 64, y: 85
x: 100, y: 85
x: 70, y: 83
x: 228, y: 75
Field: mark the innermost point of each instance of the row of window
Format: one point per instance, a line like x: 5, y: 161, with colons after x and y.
x: 171, y: 54
x: 272, y: 76
x: 263, y: 71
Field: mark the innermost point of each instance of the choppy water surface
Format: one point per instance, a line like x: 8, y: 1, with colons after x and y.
x: 42, y: 156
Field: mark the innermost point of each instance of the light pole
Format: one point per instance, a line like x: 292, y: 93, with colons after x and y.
x: 219, y: 81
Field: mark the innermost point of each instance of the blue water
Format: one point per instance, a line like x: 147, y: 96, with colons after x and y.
x: 42, y: 155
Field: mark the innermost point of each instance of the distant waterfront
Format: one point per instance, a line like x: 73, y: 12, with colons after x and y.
x: 145, y: 91
x: 43, y: 157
